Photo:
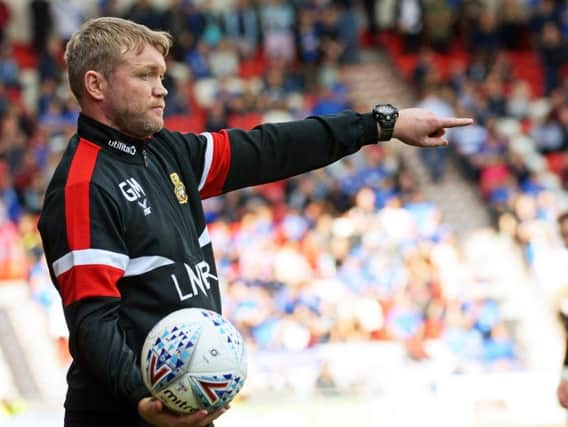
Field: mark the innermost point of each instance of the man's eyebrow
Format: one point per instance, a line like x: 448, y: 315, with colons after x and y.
x: 149, y: 67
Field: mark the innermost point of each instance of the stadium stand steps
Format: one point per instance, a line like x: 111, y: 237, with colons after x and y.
x: 498, y: 270
x: 13, y: 351
x: 28, y: 347
x: 376, y: 79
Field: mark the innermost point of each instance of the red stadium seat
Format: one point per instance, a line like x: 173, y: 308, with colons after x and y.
x: 406, y: 64
x: 564, y: 72
x: 526, y: 66
x: 557, y: 162
x: 245, y: 121
x: 24, y: 55
x: 491, y: 177
x: 252, y: 67
x: 185, y: 123
x: 14, y: 95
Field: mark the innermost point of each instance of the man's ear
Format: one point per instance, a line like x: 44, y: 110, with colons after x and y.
x: 95, y: 85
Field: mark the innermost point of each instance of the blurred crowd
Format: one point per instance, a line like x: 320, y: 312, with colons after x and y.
x: 508, y: 70
x: 353, y: 252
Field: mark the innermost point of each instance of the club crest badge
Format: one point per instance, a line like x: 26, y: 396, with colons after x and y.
x: 179, y: 188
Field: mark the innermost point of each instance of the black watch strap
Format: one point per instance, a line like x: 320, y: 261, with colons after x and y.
x: 386, y: 131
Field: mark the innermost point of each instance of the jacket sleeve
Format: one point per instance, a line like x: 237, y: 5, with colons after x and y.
x: 82, y: 237
x: 231, y: 159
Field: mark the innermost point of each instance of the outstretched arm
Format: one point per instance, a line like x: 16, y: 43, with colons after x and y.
x: 234, y: 159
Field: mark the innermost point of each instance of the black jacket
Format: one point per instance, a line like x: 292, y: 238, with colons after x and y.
x: 126, y: 240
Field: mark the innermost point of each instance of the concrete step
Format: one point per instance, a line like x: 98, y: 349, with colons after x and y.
x: 15, y: 357
x: 35, y: 365
x: 458, y: 199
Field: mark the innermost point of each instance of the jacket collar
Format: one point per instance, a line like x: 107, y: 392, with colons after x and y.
x: 111, y: 140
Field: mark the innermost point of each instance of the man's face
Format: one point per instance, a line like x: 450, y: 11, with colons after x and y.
x: 135, y: 96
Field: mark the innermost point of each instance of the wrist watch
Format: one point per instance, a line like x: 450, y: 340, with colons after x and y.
x: 385, y: 115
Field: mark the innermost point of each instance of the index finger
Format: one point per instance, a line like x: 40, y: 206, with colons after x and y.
x: 452, y: 122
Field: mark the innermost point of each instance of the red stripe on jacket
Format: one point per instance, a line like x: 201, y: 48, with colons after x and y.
x: 93, y: 280
x: 219, y: 165
x: 77, y: 195
x: 83, y: 281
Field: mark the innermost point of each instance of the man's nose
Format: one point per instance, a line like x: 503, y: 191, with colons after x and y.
x: 160, y: 90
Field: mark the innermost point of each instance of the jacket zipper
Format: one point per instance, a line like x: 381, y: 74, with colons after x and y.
x: 145, y: 154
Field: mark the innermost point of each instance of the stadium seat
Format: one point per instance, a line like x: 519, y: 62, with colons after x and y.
x: 252, y: 67
x: 24, y: 55
x: 186, y: 123
x: 557, y: 162
x: 245, y: 121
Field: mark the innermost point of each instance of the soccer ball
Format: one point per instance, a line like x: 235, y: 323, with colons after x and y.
x: 193, y: 359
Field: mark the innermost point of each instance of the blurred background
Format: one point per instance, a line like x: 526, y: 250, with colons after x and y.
x: 397, y: 287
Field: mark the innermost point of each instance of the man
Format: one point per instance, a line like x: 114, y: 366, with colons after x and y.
x: 562, y: 389
x: 123, y: 226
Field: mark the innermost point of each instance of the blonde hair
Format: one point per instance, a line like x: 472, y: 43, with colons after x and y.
x: 101, y: 43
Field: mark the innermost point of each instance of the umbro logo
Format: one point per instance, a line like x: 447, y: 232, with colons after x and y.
x: 121, y: 146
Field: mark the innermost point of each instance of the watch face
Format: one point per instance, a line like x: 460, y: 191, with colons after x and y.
x: 385, y: 109
x: 387, y: 112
